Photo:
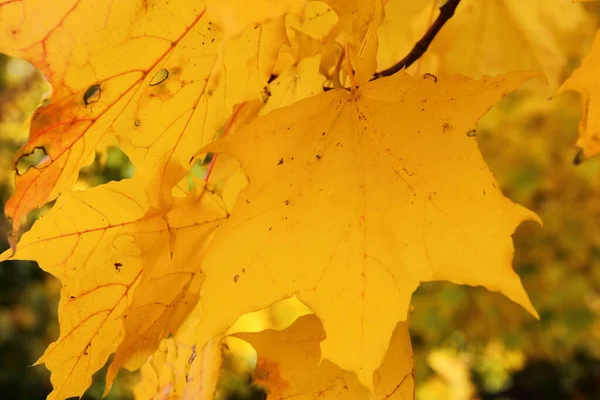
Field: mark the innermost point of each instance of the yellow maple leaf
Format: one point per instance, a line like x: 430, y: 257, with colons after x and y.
x: 91, y: 249
x: 358, y: 24
x: 164, y: 372
x: 354, y: 199
x: 403, y: 26
x: 498, y: 36
x: 234, y: 15
x: 295, y: 83
x: 179, y: 371
x: 586, y: 81
x: 149, y: 73
x: 311, y: 34
x: 172, y: 277
x: 100, y: 244
x: 289, y: 365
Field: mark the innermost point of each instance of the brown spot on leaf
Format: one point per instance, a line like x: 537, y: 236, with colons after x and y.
x: 268, y: 374
x: 92, y: 94
x: 430, y: 77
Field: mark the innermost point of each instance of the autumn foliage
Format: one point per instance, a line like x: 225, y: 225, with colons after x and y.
x: 276, y: 157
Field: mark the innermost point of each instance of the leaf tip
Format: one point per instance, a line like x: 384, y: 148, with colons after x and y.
x: 531, y: 309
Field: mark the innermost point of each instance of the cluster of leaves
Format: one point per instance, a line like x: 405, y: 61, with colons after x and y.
x: 348, y: 199
x: 29, y: 297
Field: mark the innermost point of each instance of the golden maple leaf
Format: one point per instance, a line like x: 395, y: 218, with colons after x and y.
x: 172, y: 277
x: 295, y: 83
x: 103, y: 244
x: 180, y: 371
x: 585, y: 80
x: 91, y: 250
x: 289, y: 365
x: 354, y: 199
x: 358, y: 24
x: 499, y: 36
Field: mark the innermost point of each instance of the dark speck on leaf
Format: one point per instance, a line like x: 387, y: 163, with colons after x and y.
x: 280, y: 161
x: 447, y: 127
x: 92, y: 94
x: 431, y: 77
x: 235, y: 278
x: 287, y: 202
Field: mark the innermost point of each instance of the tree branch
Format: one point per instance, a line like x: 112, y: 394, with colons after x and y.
x: 446, y: 12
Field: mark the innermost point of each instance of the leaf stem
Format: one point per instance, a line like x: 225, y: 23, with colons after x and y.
x: 446, y: 12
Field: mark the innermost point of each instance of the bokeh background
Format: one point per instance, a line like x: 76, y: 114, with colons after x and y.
x: 468, y: 343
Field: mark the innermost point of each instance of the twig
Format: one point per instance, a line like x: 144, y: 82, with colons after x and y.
x: 446, y: 12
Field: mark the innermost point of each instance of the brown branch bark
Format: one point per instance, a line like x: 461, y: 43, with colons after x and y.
x: 446, y: 12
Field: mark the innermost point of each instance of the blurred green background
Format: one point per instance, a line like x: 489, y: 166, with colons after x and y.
x: 468, y: 343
